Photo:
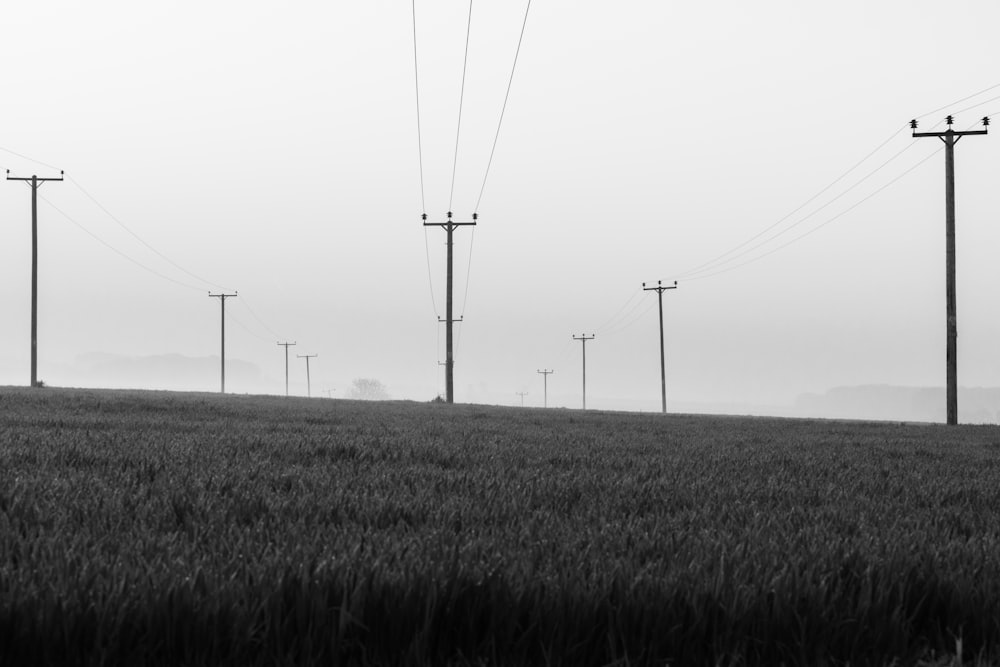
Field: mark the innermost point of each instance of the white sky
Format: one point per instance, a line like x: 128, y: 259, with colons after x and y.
x: 271, y: 148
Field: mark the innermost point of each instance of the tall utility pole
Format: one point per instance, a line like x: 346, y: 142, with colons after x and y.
x: 307, y: 357
x: 522, y: 394
x: 660, y: 289
x: 545, y: 375
x: 583, y: 338
x: 35, y: 182
x: 286, y: 346
x: 449, y: 370
x: 222, y: 302
x: 950, y: 137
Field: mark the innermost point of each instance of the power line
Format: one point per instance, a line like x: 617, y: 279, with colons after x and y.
x: 117, y: 251
x: 503, y: 109
x: 416, y: 84
x: 461, y: 99
x: 139, y: 238
x: 430, y: 278
x: 257, y: 317
x: 714, y: 263
x: 714, y: 260
x: 806, y: 217
x: 968, y: 97
x: 30, y: 159
x: 820, y: 226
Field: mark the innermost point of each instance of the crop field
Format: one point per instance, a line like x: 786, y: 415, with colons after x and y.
x: 160, y: 529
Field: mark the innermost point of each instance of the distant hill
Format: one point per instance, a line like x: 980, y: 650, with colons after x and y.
x: 976, y: 405
x: 159, y: 371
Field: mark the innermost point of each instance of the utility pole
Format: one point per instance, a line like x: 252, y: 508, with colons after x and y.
x: 35, y: 182
x: 307, y: 357
x: 222, y: 302
x: 449, y: 371
x: 286, y: 346
x: 583, y: 338
x: 545, y: 376
x: 522, y: 394
x: 950, y: 137
x: 660, y: 289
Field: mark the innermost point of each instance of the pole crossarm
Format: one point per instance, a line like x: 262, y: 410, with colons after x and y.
x: 35, y: 179
x: 660, y: 289
x: 950, y: 137
x: 449, y: 319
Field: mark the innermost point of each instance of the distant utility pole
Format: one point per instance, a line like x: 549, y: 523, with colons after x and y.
x: 950, y: 137
x: 522, y: 394
x: 449, y: 370
x: 307, y: 357
x: 286, y: 346
x: 35, y: 182
x: 222, y: 302
x: 660, y: 289
x: 583, y: 338
x: 545, y: 376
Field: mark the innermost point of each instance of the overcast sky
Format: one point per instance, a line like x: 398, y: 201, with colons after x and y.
x: 272, y: 148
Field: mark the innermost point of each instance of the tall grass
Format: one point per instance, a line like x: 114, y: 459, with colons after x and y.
x: 154, y: 528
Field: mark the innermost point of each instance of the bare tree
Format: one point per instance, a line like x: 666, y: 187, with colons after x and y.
x: 368, y: 389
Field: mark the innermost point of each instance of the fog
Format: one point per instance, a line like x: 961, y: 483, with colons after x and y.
x: 273, y: 150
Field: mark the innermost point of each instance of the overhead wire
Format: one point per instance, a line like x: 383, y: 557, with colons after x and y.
x: 116, y: 250
x: 964, y: 99
x: 824, y: 224
x: 416, y: 85
x: 719, y: 261
x: 787, y: 229
x: 139, y: 238
x: 30, y: 159
x: 461, y: 100
x: 844, y: 175
x: 503, y: 109
x: 264, y: 324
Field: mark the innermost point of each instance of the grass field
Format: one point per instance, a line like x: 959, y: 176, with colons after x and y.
x: 155, y: 528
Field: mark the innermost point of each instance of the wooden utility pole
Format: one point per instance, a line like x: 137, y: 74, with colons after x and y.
x: 35, y: 182
x: 545, y: 375
x: 286, y: 346
x: 660, y: 289
x: 307, y: 357
x: 222, y: 302
x: 950, y: 137
x: 449, y: 370
x: 522, y: 394
x: 583, y: 338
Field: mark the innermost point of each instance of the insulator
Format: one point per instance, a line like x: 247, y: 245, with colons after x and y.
x: 913, y: 124
x: 475, y: 216
x: 424, y: 217
x: 950, y: 120
x: 986, y: 121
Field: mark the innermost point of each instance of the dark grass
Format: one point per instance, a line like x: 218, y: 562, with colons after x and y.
x: 160, y: 529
